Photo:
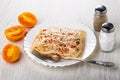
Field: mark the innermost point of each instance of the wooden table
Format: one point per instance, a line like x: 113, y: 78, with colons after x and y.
x: 60, y: 12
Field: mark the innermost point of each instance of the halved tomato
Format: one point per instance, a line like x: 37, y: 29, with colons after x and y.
x: 11, y: 53
x: 15, y: 33
x: 27, y: 19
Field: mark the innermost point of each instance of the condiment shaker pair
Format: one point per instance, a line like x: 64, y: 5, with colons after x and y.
x: 106, y: 29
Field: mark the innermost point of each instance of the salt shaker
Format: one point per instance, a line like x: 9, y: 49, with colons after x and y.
x: 100, y: 17
x: 107, y: 37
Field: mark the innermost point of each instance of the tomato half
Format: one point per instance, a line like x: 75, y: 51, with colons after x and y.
x: 27, y: 19
x: 15, y: 33
x: 11, y: 53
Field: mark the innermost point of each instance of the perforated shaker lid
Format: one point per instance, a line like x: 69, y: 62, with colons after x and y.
x: 101, y: 9
x: 108, y: 27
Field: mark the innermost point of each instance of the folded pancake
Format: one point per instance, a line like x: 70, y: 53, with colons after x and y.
x: 56, y: 43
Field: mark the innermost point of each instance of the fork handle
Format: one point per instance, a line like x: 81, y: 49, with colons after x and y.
x: 101, y: 63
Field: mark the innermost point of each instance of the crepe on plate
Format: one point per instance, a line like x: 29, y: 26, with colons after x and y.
x: 57, y: 43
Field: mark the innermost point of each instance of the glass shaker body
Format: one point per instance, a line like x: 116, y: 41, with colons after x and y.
x: 99, y: 19
x: 107, y: 41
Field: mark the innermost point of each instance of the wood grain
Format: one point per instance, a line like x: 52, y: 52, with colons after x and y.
x: 60, y: 12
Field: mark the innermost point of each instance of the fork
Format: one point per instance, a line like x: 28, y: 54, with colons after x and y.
x: 101, y: 63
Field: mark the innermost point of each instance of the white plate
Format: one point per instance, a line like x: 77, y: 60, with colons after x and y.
x: 89, y: 47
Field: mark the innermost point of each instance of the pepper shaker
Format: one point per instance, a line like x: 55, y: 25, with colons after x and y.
x: 100, y: 17
x: 107, y: 37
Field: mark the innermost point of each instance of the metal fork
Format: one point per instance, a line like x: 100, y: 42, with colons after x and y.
x: 101, y: 63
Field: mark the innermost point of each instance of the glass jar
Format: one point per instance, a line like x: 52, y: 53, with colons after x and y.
x: 99, y: 17
x: 107, y: 37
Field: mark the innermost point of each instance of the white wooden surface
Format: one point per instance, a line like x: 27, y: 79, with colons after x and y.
x: 60, y: 12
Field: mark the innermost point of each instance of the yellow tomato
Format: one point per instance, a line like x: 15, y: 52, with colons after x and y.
x: 11, y: 53
x: 27, y: 19
x: 15, y: 33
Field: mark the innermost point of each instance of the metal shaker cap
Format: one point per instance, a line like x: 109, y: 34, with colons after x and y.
x: 100, y: 9
x: 108, y: 27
